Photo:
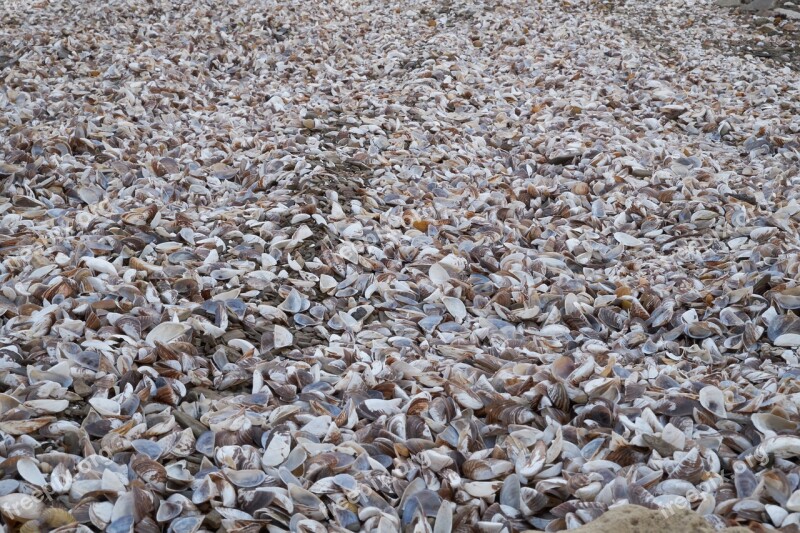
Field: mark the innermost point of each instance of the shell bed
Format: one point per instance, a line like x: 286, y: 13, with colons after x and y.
x: 419, y: 266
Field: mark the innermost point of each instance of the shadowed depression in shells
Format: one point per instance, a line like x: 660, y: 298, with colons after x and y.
x: 396, y: 266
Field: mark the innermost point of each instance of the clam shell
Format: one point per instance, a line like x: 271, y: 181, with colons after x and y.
x: 166, y: 332
x: 19, y: 506
x: 105, y: 407
x: 486, y: 469
x: 455, y: 307
x: 29, y: 471
x: 283, y: 337
x: 712, y: 399
x: 690, y: 467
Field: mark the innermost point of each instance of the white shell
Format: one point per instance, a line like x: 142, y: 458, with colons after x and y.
x: 438, y: 274
x: 105, y: 406
x: 166, y: 332
x: 627, y: 240
x: 21, y: 506
x: 455, y: 307
x: 283, y: 337
x: 714, y: 400
x: 29, y: 471
x: 100, y: 265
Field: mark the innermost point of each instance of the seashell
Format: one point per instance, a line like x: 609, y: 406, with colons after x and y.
x: 307, y: 503
x: 167, y: 511
x: 19, y: 506
x: 507, y: 412
x: 345, y: 518
x: 782, y: 446
x: 24, y: 427
x: 611, y: 318
x: 277, y: 449
x: 532, y: 501
x: 776, y: 513
x: 792, y: 504
x: 246, y: 478
x: 433, y: 460
x: 131, y: 326
x: 527, y: 465
x: 444, y: 517
x: 294, y: 303
x: 99, y: 265
x: 166, y: 332
x: 327, y: 283
x: 748, y: 509
x: 558, y: 395
x: 455, y: 307
x: 486, y: 469
x: 627, y: 240
x: 29, y: 471
x: 481, y: 489
x: 438, y: 274
x: 638, y: 495
x: 770, y: 424
x: 776, y: 485
x: 712, y: 399
x: 148, y: 448
x: 186, y: 524
x: 744, y: 479
x: 105, y: 407
x: 60, y: 479
x: 422, y: 504
x: 690, y: 467
x: 56, y: 518
x: 282, y: 337
x: 510, y: 493
x: 788, y: 298
x: 789, y: 340
x: 562, y: 367
x: 177, y: 472
x: 149, y: 471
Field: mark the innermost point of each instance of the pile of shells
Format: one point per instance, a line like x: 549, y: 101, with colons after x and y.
x: 428, y: 266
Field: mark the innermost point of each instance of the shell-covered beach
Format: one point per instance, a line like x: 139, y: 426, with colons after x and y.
x: 398, y: 266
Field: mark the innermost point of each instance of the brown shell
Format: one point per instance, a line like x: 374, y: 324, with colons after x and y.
x: 638, y: 495
x: 508, y: 412
x: 31, y: 526
x: 55, y: 517
x: 557, y: 393
x: 689, y: 468
x: 65, y: 288
x: 628, y: 455
x: 150, y: 471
